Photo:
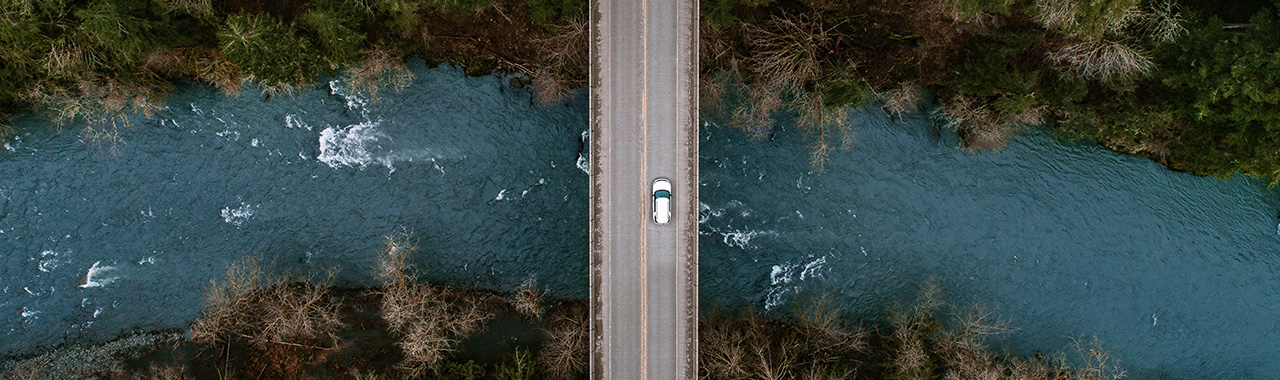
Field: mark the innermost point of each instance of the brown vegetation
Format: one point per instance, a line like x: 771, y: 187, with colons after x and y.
x: 429, y: 320
x: 252, y: 305
x: 1102, y: 60
x: 382, y: 66
x: 978, y: 126
x: 528, y: 299
x: 562, y: 61
x: 907, y: 97
x: 564, y: 350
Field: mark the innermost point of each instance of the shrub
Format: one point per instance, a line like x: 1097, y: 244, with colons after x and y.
x: 459, y: 6
x: 966, y: 9
x: 405, y: 15
x: 1103, y: 60
x: 263, y: 309
x: 519, y: 365
x: 116, y: 28
x: 200, y: 9
x: 336, y: 24
x: 977, y: 126
x: 273, y: 53
x: 562, y: 61
x: 382, y: 65
x: 906, y: 97
x: 565, y: 344
x: 429, y: 322
x: 470, y: 370
x: 717, y: 13
x: 528, y: 299
x: 1088, y: 19
x: 549, y: 14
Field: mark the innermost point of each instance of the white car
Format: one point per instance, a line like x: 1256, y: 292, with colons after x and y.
x: 661, y: 201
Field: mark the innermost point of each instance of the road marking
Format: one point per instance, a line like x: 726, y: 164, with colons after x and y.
x: 644, y: 175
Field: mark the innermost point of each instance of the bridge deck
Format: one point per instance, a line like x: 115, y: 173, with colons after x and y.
x: 644, y: 125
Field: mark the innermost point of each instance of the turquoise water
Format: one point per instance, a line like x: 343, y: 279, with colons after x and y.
x: 1176, y: 274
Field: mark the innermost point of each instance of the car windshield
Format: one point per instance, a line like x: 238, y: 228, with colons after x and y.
x: 662, y: 194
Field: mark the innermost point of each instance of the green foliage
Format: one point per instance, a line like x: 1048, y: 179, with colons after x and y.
x: 989, y: 72
x: 520, y: 365
x: 335, y: 24
x: 404, y: 15
x: 1062, y: 89
x: 1127, y: 125
x: 200, y: 9
x: 841, y: 86
x: 546, y: 14
x: 116, y: 28
x: 19, y: 59
x: 272, y: 52
x: 459, y: 6
x: 458, y: 371
x: 967, y: 9
x: 1228, y: 84
x: 1095, y: 18
x: 718, y: 12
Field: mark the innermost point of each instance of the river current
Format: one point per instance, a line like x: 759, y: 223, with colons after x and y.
x: 1176, y: 274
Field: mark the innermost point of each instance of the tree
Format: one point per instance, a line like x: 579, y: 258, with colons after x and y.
x: 273, y: 53
x: 1228, y: 83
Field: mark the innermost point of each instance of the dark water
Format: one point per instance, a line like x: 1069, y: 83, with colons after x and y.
x: 1176, y: 274
x: 486, y: 180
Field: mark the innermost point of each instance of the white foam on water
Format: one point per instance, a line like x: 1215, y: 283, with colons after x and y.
x: 147, y: 261
x: 501, y: 195
x: 785, y: 280
x: 291, y: 121
x: 742, y: 239
x: 584, y: 160
x: 350, y: 146
x: 253, y: 143
x: 228, y: 134
x: 354, y: 101
x: 29, y: 313
x: 9, y: 147
x: 705, y: 213
x: 91, y: 278
x: 811, y: 269
x: 780, y: 278
x: 237, y: 216
x: 48, y: 261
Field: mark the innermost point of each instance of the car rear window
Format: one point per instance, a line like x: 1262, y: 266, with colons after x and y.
x: 662, y: 194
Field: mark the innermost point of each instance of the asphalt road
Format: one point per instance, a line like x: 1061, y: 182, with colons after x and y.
x: 644, y: 125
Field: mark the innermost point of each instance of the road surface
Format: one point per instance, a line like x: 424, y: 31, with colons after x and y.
x: 644, y: 125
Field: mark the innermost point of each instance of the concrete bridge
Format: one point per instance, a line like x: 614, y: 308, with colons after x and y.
x: 644, y: 126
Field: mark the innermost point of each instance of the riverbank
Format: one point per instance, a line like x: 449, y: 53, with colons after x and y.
x: 1159, y: 79
x: 257, y: 325
x: 96, y: 63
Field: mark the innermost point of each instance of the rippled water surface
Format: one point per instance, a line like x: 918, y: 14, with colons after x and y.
x: 95, y: 243
x: 1176, y: 274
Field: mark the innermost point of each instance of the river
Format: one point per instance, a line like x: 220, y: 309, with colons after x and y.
x: 1176, y: 274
